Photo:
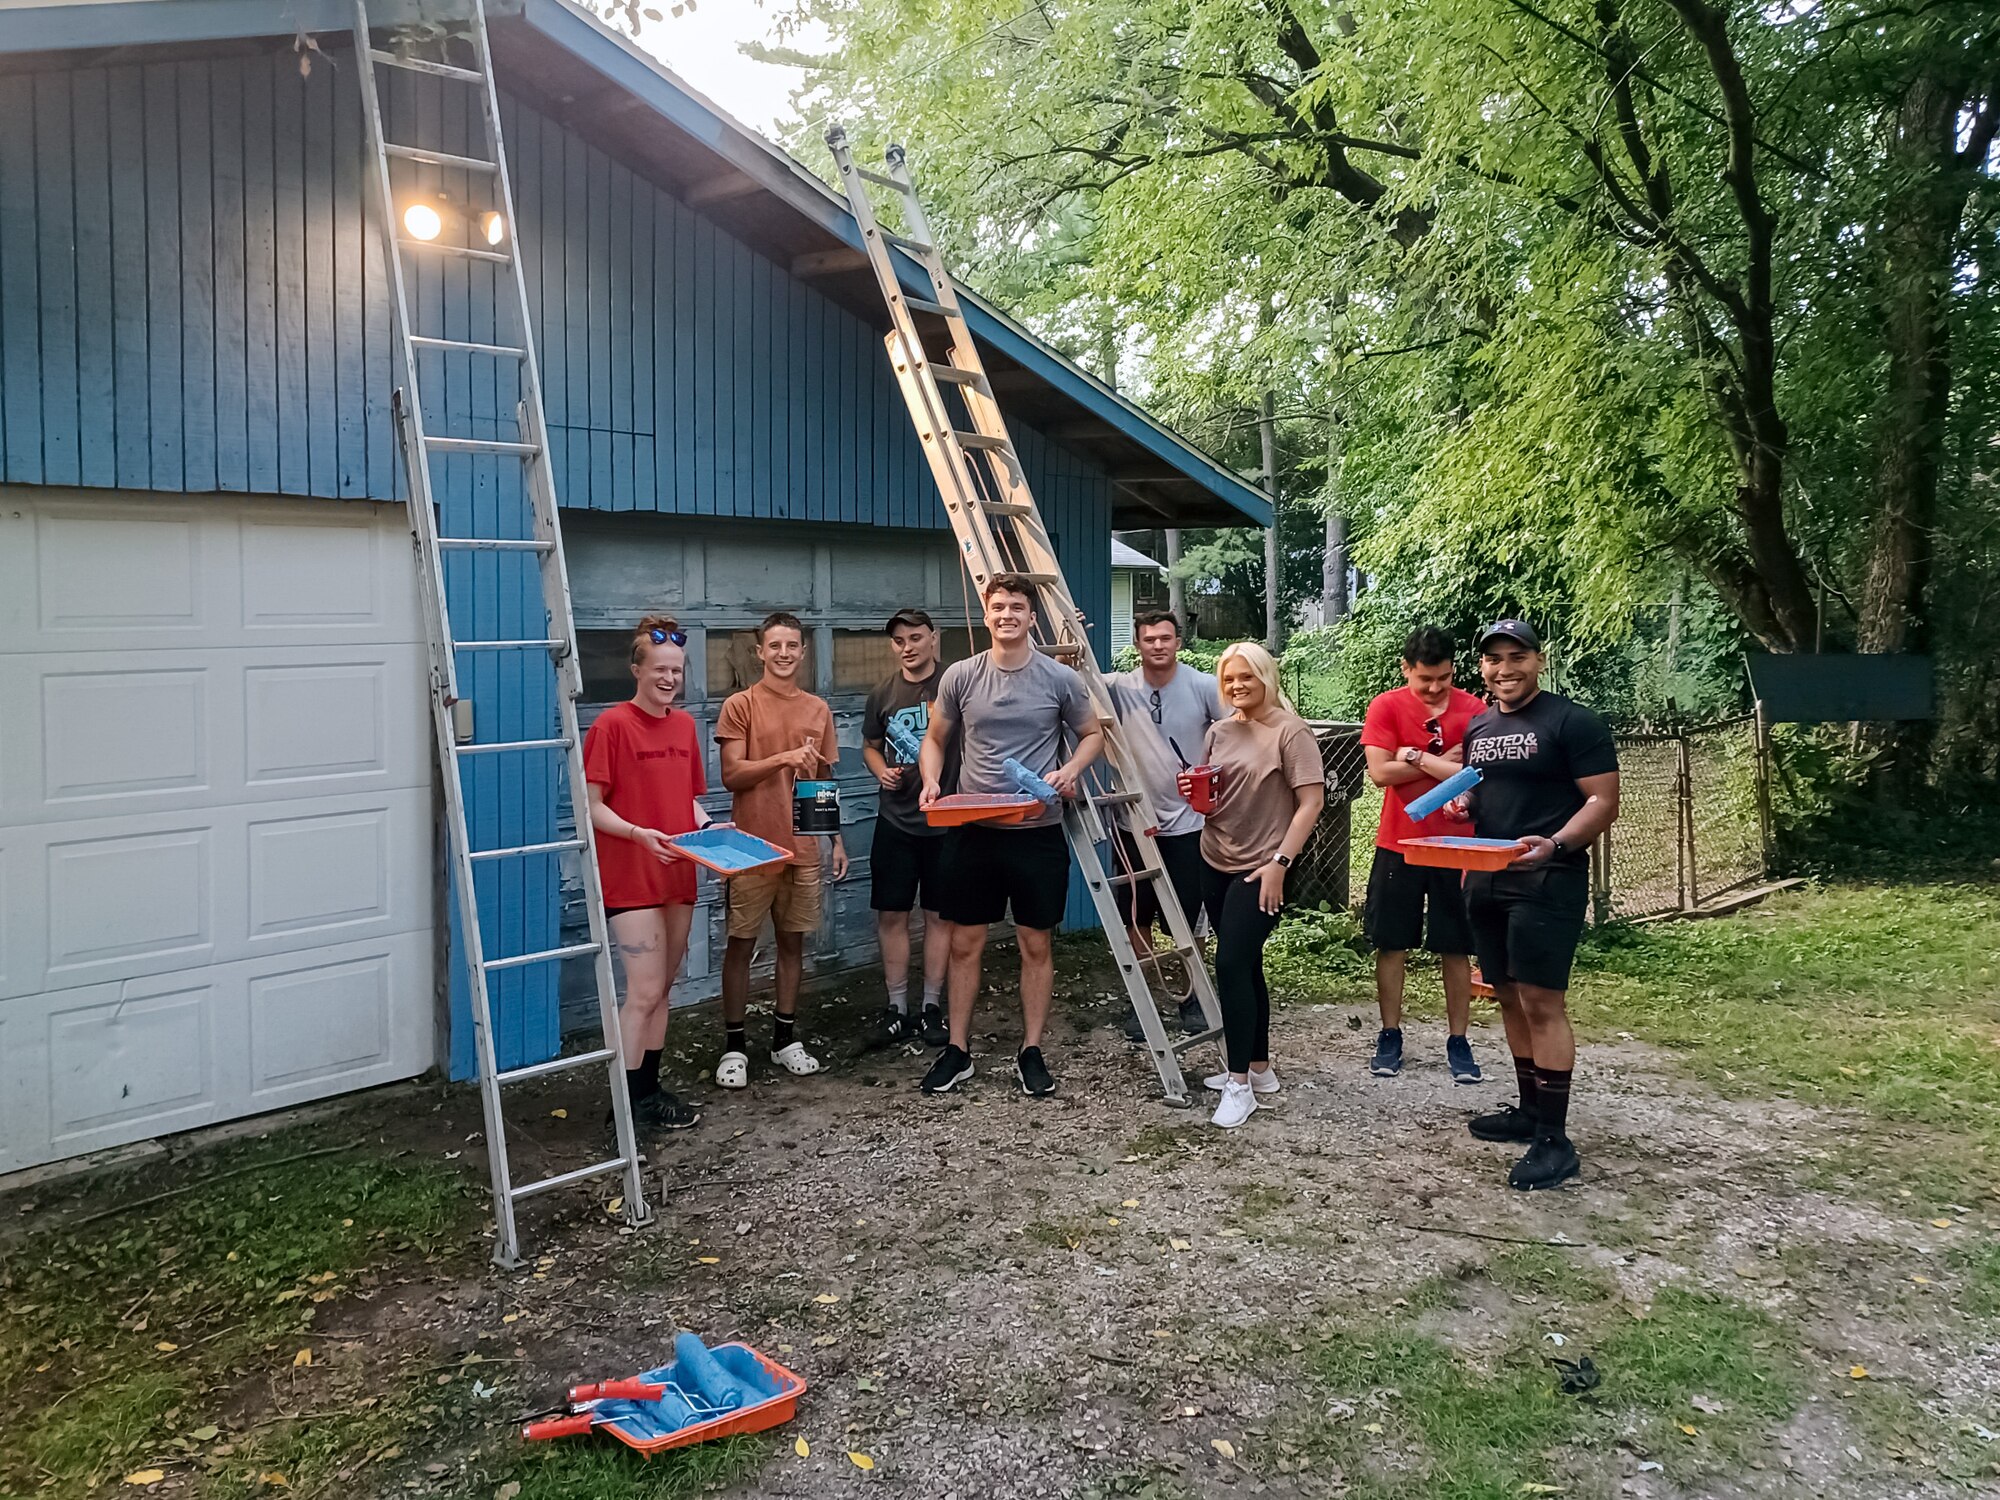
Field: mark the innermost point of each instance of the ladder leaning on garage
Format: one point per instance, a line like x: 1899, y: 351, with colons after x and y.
x: 534, y: 530
x: 999, y: 530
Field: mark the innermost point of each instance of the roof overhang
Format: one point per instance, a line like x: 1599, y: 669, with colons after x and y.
x: 570, y: 67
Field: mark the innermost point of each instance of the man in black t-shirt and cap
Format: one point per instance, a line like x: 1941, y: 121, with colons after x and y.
x: 1550, y: 780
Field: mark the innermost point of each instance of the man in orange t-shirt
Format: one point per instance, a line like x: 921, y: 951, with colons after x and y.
x: 773, y: 734
x: 1414, y: 737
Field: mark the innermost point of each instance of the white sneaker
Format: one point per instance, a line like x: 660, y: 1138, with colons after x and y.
x: 1265, y: 1082
x: 794, y: 1059
x: 733, y: 1072
x: 1239, y: 1103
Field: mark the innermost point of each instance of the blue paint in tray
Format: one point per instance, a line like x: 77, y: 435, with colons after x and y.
x: 729, y: 851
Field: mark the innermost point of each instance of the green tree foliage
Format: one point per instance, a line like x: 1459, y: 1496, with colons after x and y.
x: 1563, y: 304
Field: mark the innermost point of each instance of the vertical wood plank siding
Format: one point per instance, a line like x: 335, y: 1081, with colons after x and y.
x: 193, y: 299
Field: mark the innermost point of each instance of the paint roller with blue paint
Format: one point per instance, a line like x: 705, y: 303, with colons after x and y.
x: 697, y: 1368
x: 1449, y: 789
x: 1028, y: 783
x: 906, y: 745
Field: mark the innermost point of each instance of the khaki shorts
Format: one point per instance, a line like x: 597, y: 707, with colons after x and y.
x: 789, y: 895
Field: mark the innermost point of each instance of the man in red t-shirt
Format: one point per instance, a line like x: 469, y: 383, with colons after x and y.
x: 1414, y: 737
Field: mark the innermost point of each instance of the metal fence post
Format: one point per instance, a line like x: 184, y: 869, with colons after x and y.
x: 1684, y: 819
x: 1762, y: 742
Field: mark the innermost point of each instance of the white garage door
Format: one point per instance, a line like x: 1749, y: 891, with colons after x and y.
x: 215, y: 813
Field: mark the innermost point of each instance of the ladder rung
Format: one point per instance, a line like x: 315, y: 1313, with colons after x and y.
x: 440, y: 158
x: 1132, y: 879
x: 1113, y: 799
x: 1183, y: 1044
x: 919, y: 304
x: 468, y: 346
x: 982, y: 442
x: 547, y: 955
x: 878, y: 179
x: 464, y: 252
x: 955, y: 375
x: 915, y: 247
x: 500, y: 745
x: 480, y: 445
x: 1006, y: 507
x: 420, y: 65
x: 519, y: 850
x: 495, y: 544
x: 1043, y: 578
x: 509, y: 645
x: 564, y: 1179
x: 1060, y: 650
x: 555, y: 1065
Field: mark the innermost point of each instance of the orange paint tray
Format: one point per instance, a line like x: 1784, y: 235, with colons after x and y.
x: 1456, y: 853
x: 627, y: 1419
x: 979, y: 807
x: 730, y: 851
x: 1480, y: 987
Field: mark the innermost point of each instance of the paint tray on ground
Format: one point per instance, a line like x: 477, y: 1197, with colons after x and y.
x: 671, y: 1408
x: 730, y: 851
x: 1463, y: 853
x: 979, y: 807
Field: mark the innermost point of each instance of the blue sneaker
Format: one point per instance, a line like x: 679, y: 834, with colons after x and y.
x: 1458, y: 1056
x: 1388, y: 1061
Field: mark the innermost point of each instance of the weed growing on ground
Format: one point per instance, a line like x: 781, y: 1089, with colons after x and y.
x: 593, y: 1469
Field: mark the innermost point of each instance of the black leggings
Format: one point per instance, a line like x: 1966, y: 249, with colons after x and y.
x: 1240, y: 931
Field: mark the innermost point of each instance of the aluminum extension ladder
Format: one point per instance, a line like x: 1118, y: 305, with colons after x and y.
x: 535, y: 530
x: 999, y: 530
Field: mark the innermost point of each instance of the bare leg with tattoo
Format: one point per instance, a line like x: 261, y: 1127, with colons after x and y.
x: 651, y: 944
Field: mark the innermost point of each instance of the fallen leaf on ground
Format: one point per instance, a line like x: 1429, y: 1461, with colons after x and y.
x: 558, y: 1114
x: 709, y: 1260
x: 205, y: 1434
x: 1690, y: 1429
x: 1940, y: 1223
x: 1857, y: 1372
x: 826, y: 1299
x: 510, y: 1317
x: 801, y: 1447
x: 1707, y: 1405
x: 1111, y: 1220
x: 272, y: 1476
x: 1921, y: 1280
x: 303, y: 1357
x: 166, y: 1348
x: 1179, y: 1245
x: 1223, y: 1446
x: 508, y: 1490
x: 1130, y: 1203
x: 145, y: 1476
x: 614, y: 1205
x: 1374, y: 1427
x: 861, y: 1461
x: 1531, y: 1488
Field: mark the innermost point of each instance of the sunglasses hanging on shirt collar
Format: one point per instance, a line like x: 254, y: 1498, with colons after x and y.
x: 1435, y: 730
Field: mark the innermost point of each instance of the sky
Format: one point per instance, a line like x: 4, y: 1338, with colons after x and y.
x: 700, y: 46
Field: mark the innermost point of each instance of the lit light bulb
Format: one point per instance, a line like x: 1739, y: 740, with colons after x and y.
x: 423, y: 221
x: 493, y: 227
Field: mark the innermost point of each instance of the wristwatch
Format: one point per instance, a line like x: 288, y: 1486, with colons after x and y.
x: 1412, y: 755
x: 1282, y: 861
x: 1560, y: 846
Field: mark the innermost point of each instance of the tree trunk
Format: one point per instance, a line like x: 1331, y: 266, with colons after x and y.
x: 1176, y: 586
x: 1267, y: 432
x: 1333, y: 571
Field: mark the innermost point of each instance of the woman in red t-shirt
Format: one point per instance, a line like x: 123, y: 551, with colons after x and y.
x: 642, y: 760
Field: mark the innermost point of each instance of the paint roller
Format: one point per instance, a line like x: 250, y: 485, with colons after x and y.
x: 1450, y: 788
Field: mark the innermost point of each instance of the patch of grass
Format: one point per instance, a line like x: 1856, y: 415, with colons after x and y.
x: 1319, y: 955
x: 598, y: 1468
x: 144, y: 1316
x: 1870, y: 997
x: 1257, y: 1199
x: 1980, y: 1267
x: 1693, y: 1346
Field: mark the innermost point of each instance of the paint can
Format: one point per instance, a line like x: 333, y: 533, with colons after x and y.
x: 1201, y: 785
x: 816, y: 807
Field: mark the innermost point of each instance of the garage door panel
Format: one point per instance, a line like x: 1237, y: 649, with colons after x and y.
x: 320, y: 1022
x: 139, y: 902
x: 137, y: 1064
x: 309, y: 723
x: 110, y: 734
x: 104, y: 570
x: 311, y: 873
x: 313, y: 574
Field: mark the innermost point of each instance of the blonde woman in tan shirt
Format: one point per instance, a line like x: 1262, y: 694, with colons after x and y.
x: 1273, y: 786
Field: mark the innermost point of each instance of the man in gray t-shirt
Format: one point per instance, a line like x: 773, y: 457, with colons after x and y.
x: 1177, y: 703
x: 1010, y: 702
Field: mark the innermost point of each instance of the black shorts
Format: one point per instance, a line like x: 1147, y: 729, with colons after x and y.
x: 1181, y: 854
x: 1526, y: 923
x: 988, y: 869
x: 1398, y: 893
x: 904, y: 868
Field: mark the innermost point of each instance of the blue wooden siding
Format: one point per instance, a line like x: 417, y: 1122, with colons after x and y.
x: 193, y: 299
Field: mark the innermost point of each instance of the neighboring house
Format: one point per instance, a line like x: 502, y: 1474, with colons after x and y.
x: 220, y: 874
x: 1133, y: 575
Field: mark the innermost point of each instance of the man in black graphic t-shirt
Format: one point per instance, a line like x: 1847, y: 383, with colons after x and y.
x: 1549, y: 779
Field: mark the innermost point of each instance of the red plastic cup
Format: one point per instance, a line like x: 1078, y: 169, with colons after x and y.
x: 1201, y: 785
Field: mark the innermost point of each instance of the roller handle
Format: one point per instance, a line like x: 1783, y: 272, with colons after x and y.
x: 631, y: 1388
x: 560, y: 1427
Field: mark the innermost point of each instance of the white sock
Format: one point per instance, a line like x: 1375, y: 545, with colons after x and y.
x: 899, y: 998
x: 933, y: 995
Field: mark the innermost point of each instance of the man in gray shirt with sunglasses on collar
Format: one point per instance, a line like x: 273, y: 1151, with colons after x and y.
x: 1180, y: 702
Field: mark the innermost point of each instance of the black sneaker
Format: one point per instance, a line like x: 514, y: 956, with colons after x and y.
x: 891, y: 1029
x: 1550, y: 1162
x: 951, y: 1069
x: 1508, y: 1123
x: 1036, y: 1081
x: 638, y: 1132
x: 935, y: 1032
x: 1458, y: 1056
x: 1193, y: 1022
x: 663, y: 1111
x: 1388, y: 1059
x: 1133, y: 1032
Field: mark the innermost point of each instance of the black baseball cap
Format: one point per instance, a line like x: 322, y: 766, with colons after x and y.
x: 905, y: 617
x: 1518, y: 631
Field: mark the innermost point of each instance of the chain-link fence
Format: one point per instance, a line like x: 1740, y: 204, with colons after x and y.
x: 1692, y: 821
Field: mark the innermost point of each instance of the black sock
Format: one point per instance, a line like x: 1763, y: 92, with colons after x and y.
x: 734, y: 1037
x: 1552, y: 1103
x: 649, y: 1068
x: 635, y: 1085
x: 781, y: 1031
x: 1524, y: 1074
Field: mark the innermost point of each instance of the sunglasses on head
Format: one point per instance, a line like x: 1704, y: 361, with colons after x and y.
x: 661, y: 637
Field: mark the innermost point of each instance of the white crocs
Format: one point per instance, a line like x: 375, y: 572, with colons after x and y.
x: 733, y: 1072
x: 1265, y: 1082
x: 794, y: 1059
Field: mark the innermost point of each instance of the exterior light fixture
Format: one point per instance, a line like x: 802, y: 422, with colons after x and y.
x: 493, y: 227
x: 423, y: 221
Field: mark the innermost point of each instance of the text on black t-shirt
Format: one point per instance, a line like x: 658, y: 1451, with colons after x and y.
x: 1530, y: 761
